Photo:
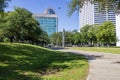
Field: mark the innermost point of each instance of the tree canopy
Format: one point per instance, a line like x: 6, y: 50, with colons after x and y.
x: 20, y: 26
x: 106, y: 33
x: 89, y: 35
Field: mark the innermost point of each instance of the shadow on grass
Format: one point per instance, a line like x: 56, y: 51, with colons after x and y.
x: 25, y: 62
x: 56, y: 48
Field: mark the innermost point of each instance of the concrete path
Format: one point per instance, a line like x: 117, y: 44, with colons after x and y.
x: 103, y: 66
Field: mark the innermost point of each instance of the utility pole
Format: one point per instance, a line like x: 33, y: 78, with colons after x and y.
x: 63, y: 38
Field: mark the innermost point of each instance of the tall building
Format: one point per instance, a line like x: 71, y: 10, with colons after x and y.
x: 89, y: 14
x: 118, y: 29
x: 48, y: 21
x: 86, y: 15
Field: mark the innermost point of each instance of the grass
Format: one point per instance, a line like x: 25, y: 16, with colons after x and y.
x: 113, y: 50
x: 29, y: 62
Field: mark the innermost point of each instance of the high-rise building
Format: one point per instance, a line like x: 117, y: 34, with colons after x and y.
x: 118, y: 29
x: 86, y: 15
x: 89, y: 14
x: 48, y: 21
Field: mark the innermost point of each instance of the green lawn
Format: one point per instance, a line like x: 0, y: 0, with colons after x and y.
x: 98, y: 49
x: 29, y: 62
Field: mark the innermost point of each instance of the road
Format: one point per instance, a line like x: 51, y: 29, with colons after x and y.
x: 103, y: 66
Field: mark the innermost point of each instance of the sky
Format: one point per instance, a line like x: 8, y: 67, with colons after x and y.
x: 39, y: 6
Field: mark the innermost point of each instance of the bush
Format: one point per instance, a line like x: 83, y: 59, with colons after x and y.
x: 6, y: 39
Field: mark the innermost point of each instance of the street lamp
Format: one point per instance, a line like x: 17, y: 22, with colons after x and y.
x: 63, y: 38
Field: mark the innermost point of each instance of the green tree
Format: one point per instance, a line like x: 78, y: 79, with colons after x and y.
x: 3, y: 20
x: 92, y: 34
x: 3, y: 4
x: 56, y: 39
x: 106, y: 33
x: 85, y: 35
x: 69, y: 38
x: 77, y: 39
x: 44, y: 39
x: 20, y: 26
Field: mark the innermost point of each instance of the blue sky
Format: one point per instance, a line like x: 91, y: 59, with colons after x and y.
x: 39, y: 6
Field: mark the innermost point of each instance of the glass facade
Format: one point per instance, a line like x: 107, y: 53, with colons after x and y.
x: 48, y: 24
x: 48, y: 21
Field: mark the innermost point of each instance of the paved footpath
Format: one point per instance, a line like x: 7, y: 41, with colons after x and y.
x: 103, y: 66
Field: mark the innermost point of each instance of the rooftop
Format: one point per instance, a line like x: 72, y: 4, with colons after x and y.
x: 47, y: 13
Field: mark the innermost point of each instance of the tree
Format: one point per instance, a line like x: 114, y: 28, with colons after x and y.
x: 3, y: 20
x: 44, y: 39
x: 106, y: 33
x: 92, y: 34
x: 20, y: 26
x: 69, y: 38
x: 84, y: 34
x: 3, y: 4
x: 77, y: 39
x: 56, y: 39
x: 109, y: 4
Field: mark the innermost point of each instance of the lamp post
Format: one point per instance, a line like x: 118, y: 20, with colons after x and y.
x: 63, y: 38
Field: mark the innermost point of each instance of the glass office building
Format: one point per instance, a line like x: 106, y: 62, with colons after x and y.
x: 48, y: 21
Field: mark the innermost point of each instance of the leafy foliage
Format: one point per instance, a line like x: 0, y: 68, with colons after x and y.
x: 84, y: 32
x: 20, y: 26
x: 70, y: 38
x: 103, y: 34
x: 56, y: 38
x: 77, y: 38
x: 89, y: 35
x: 106, y: 33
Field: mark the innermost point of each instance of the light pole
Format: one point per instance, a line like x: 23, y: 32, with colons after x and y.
x: 63, y: 38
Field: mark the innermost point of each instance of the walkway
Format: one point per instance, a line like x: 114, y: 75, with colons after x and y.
x: 103, y: 66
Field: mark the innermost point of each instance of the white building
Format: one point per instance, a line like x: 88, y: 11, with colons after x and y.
x: 89, y: 14
x: 86, y: 15
x: 118, y: 29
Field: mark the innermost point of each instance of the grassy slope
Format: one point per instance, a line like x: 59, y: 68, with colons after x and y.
x: 29, y: 62
x: 98, y: 49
